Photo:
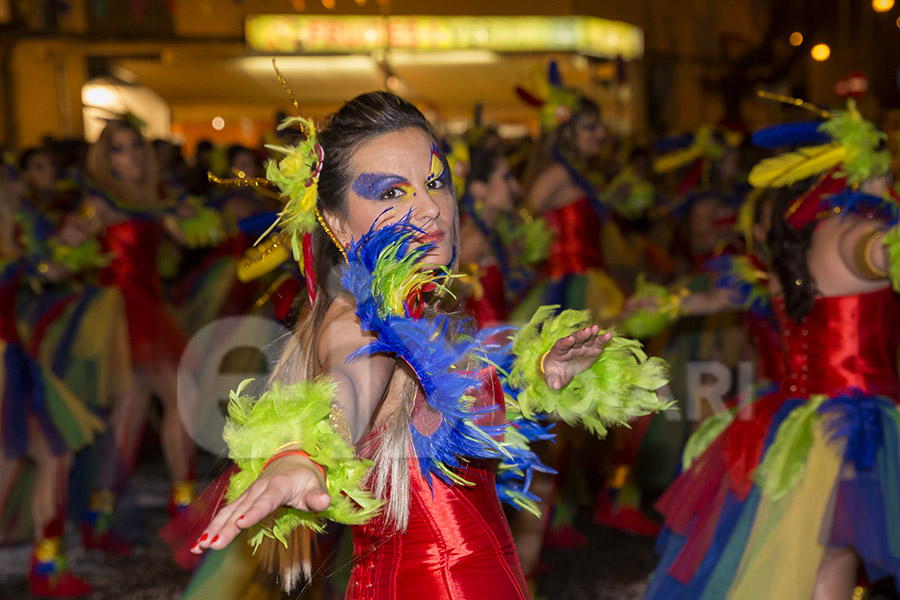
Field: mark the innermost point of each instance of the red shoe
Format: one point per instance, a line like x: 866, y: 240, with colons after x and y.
x: 48, y: 576
x: 107, y: 541
x: 96, y: 526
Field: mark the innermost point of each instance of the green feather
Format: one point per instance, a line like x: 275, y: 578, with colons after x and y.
x: 708, y: 431
x: 785, y: 461
x: 299, y: 413
x: 892, y: 242
x: 648, y: 322
x: 619, y: 386
x: 862, y: 140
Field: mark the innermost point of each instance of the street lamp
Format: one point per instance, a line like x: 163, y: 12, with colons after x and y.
x: 820, y: 52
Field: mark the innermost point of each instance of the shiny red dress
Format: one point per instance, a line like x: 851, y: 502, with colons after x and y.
x: 576, y: 244
x: 154, y: 335
x: 491, y: 308
x: 457, y: 546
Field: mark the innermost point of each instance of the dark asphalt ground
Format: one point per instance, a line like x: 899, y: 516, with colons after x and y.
x: 613, y: 565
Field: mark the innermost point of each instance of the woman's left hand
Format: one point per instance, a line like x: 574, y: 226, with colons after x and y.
x: 573, y: 354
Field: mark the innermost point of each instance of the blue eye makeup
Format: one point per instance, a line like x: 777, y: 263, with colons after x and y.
x: 381, y: 186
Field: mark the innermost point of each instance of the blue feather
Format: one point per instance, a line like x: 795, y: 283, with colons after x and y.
x: 553, y: 75
x: 789, y: 134
x: 751, y: 294
x: 866, y: 205
x: 857, y: 418
x: 432, y: 352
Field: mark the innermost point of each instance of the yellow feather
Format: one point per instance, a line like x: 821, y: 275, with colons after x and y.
x: 783, y: 170
x: 673, y: 160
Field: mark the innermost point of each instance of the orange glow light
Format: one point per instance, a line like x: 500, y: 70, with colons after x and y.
x: 882, y: 5
x: 820, y: 52
x: 796, y: 38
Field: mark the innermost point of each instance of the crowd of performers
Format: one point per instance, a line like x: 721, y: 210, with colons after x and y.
x: 458, y: 309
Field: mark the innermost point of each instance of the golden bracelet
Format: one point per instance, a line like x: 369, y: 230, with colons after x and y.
x: 541, y: 362
x: 862, y: 256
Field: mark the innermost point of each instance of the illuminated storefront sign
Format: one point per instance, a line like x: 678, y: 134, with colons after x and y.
x: 328, y: 34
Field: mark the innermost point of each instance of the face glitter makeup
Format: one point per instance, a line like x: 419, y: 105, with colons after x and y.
x: 381, y: 186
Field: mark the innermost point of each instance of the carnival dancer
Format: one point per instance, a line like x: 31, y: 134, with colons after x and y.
x: 75, y: 326
x: 561, y: 192
x: 799, y: 489
x: 376, y: 365
x: 124, y: 206
x: 489, y: 190
x: 41, y: 420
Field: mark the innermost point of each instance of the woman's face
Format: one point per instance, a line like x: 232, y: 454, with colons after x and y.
x: 589, y: 134
x: 501, y: 189
x: 395, y: 174
x: 127, y: 155
x: 40, y: 173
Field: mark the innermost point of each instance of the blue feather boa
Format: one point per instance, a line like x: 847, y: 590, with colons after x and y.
x: 429, y: 346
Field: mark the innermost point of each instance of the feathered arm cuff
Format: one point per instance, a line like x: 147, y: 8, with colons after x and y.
x: 744, y: 278
x: 82, y: 257
x: 646, y: 322
x: 619, y: 386
x: 202, y: 229
x: 299, y: 414
x: 892, y: 243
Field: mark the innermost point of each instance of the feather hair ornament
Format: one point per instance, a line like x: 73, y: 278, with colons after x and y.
x: 855, y: 153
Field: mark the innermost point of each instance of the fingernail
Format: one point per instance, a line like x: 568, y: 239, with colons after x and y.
x: 194, y: 547
x: 240, y: 517
x: 214, y: 540
x: 204, y: 536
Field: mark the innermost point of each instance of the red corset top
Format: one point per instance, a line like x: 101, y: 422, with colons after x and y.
x: 490, y: 310
x: 844, y: 342
x: 457, y: 544
x: 134, y: 245
x: 576, y: 243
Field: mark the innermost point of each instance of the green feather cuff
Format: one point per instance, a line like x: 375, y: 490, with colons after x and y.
x: 301, y: 413
x: 202, y: 229
x: 892, y: 242
x: 619, y: 386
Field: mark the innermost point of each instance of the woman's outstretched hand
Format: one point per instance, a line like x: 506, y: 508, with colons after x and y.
x: 292, y: 481
x: 573, y: 354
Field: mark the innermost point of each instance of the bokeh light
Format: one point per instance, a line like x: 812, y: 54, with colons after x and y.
x: 820, y: 52
x: 882, y: 5
x: 218, y: 123
x: 796, y: 38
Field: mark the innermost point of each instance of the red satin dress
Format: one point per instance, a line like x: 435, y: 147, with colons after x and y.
x: 844, y: 342
x: 491, y: 309
x: 154, y: 335
x: 457, y: 546
x: 576, y: 246
x: 847, y: 346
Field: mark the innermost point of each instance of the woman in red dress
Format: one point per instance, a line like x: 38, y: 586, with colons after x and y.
x: 123, y: 203
x: 437, y: 537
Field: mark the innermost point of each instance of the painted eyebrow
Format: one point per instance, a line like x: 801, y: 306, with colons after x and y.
x: 371, y: 185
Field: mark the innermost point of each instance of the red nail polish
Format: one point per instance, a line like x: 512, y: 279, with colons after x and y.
x: 194, y: 547
x: 240, y: 517
x: 214, y: 540
x: 204, y: 536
